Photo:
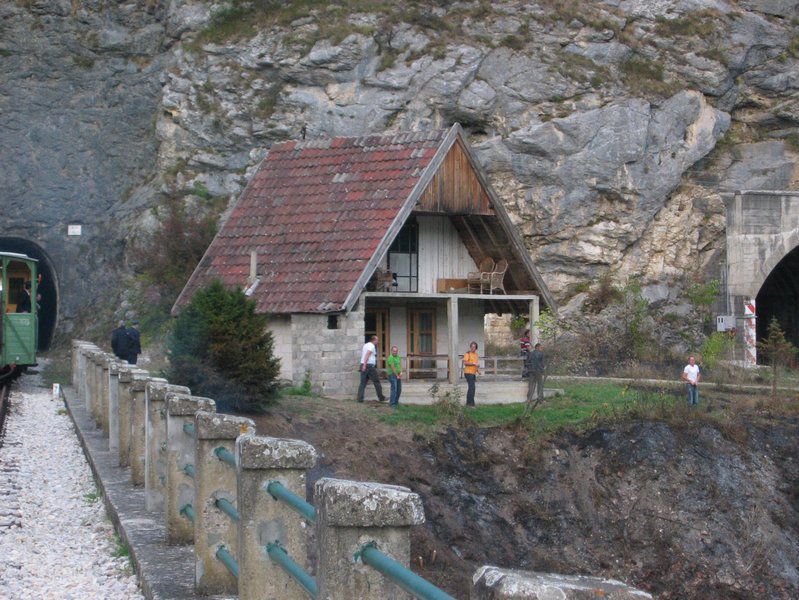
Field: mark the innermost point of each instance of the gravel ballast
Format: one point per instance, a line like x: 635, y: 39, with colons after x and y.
x: 60, y: 544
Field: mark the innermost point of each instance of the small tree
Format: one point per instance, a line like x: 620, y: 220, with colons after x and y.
x: 221, y: 348
x: 777, y: 350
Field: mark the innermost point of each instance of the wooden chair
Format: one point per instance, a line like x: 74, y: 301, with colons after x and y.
x: 477, y: 280
x: 498, y: 277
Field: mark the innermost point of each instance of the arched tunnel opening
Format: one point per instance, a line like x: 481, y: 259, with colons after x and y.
x: 48, y: 288
x: 779, y: 297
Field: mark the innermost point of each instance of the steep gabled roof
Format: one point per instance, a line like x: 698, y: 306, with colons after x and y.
x: 320, y: 215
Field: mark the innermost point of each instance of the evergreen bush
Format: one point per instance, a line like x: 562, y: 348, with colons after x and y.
x: 221, y: 349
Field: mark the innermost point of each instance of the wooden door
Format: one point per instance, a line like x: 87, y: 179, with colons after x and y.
x: 421, y: 342
x: 376, y: 323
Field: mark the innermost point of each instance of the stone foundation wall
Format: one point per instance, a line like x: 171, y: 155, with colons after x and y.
x: 328, y: 356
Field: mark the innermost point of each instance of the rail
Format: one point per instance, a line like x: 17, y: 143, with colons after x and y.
x: 227, y: 507
x: 225, y: 456
x: 405, y: 578
x: 280, y: 493
x: 226, y: 558
x: 188, y: 512
x: 188, y: 429
x: 437, y: 367
x: 280, y: 557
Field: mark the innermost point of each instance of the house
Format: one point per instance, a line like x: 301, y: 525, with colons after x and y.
x: 338, y: 239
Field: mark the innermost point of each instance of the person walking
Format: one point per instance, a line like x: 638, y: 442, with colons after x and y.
x: 394, y: 370
x: 119, y: 341
x: 691, y: 377
x: 536, y: 367
x: 134, y: 342
x: 471, y: 366
x: 369, y: 369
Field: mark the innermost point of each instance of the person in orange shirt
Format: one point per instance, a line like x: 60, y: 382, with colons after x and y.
x: 471, y: 366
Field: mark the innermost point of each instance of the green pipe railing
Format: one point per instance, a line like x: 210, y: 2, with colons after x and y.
x: 188, y: 429
x: 226, y: 507
x: 405, y: 578
x: 225, y: 455
x: 188, y: 512
x: 279, y: 492
x: 281, y: 558
x: 226, y: 558
x: 189, y: 470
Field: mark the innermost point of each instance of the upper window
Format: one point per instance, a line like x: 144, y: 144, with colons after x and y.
x: 403, y: 257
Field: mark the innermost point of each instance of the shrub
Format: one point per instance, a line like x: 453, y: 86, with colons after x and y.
x: 777, y: 350
x: 221, y: 348
x: 603, y: 295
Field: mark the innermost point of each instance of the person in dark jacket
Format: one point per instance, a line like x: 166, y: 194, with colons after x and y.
x: 535, y: 369
x: 134, y: 343
x: 119, y: 341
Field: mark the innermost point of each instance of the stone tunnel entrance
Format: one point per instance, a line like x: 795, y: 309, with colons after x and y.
x: 779, y: 297
x: 48, y: 288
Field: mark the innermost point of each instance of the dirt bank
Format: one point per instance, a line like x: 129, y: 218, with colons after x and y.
x: 685, y: 511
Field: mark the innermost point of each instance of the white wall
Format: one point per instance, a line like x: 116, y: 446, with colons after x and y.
x: 280, y: 326
x: 441, y: 253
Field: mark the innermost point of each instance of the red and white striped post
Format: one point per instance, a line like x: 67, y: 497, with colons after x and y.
x: 750, y: 334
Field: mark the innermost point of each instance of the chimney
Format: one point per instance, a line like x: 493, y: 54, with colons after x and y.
x: 253, y: 267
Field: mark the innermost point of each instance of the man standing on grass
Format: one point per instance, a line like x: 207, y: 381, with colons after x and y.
x: 369, y: 369
x: 394, y: 370
x: 691, y: 376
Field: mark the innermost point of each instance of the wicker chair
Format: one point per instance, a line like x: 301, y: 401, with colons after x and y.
x: 498, y: 277
x: 477, y: 280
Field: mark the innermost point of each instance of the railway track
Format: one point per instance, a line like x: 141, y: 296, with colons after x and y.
x: 4, y: 402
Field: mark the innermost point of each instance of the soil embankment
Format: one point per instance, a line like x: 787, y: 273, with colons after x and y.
x: 685, y: 511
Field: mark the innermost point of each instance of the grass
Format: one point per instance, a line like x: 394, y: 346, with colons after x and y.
x: 121, y: 549
x: 92, y: 497
x: 581, y: 405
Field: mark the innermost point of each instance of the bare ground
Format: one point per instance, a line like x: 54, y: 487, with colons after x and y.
x: 685, y: 510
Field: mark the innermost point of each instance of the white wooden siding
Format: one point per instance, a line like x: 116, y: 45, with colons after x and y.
x: 442, y: 254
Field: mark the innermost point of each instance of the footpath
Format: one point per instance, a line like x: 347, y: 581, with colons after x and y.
x: 55, y: 539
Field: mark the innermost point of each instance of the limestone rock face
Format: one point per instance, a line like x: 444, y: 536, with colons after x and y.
x: 609, y: 131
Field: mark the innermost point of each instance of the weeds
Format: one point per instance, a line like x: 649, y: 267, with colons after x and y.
x: 92, y: 497
x: 121, y: 549
x: 303, y: 390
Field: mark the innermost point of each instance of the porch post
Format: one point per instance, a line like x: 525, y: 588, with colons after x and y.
x: 533, y: 320
x: 452, y: 323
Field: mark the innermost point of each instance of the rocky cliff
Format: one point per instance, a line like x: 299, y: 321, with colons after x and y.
x: 609, y: 128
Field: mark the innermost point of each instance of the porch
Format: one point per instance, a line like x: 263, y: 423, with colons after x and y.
x: 433, y: 331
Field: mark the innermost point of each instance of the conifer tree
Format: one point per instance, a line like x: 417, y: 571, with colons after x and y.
x: 220, y: 348
x: 777, y: 350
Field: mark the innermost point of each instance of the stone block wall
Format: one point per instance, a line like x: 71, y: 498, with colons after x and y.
x: 329, y: 356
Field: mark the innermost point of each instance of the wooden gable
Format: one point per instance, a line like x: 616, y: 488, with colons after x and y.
x: 455, y: 188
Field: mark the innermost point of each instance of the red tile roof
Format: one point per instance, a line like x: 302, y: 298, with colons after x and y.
x: 315, y: 212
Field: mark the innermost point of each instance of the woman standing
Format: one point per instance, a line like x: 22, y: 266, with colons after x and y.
x: 471, y: 365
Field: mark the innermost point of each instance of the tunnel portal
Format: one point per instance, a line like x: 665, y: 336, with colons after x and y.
x: 48, y: 288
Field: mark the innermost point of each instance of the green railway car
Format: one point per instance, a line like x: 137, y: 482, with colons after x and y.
x: 18, y: 307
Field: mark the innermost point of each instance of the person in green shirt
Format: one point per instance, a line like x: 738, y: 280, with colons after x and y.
x: 394, y: 370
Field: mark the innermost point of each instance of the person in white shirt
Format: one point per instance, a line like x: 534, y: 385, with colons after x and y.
x: 369, y: 369
x: 691, y: 376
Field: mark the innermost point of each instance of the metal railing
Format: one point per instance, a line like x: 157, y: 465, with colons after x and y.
x: 188, y: 512
x: 437, y: 367
x: 403, y: 577
x: 227, y: 507
x: 279, y: 492
x: 226, y: 558
x: 280, y: 557
x: 225, y: 455
x: 188, y: 429
x: 189, y: 470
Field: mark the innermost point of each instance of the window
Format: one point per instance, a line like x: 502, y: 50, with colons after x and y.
x: 403, y: 257
x: 332, y: 322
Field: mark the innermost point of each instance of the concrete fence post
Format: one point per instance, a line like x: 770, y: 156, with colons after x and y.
x: 105, y: 391
x: 215, y: 480
x: 113, y: 405
x: 155, y: 441
x: 94, y: 386
x: 79, y: 355
x: 179, y: 453
x: 350, y: 514
x: 138, y: 423
x: 127, y: 373
x: 85, y: 375
x: 494, y: 583
x: 265, y: 520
